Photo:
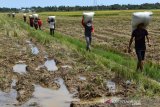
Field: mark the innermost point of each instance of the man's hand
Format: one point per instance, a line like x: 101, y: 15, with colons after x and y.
x: 129, y: 50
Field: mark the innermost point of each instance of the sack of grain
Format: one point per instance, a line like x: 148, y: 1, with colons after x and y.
x: 141, y: 17
x: 88, y: 16
x: 24, y: 14
x: 30, y: 16
x: 35, y: 15
x: 51, y: 17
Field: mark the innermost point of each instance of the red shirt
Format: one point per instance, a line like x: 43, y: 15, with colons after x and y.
x: 40, y: 22
x: 31, y: 20
x: 84, y: 24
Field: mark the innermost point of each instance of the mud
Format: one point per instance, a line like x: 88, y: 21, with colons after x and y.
x: 119, y: 102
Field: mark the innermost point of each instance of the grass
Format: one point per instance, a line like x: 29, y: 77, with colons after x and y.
x: 118, y: 63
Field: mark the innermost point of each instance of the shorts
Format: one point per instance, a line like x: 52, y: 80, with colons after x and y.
x: 140, y: 54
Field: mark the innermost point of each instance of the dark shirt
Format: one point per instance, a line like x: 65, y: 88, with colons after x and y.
x: 140, y: 35
x: 36, y: 21
x: 88, y: 29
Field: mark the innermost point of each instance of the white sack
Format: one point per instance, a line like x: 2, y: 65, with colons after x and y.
x: 51, y: 17
x: 141, y: 17
x: 30, y: 16
x: 88, y: 16
x: 35, y: 15
x: 24, y: 14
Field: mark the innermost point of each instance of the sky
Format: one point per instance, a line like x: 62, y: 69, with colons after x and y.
x: 29, y: 3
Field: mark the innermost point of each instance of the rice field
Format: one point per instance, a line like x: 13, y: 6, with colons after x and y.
x: 108, y: 59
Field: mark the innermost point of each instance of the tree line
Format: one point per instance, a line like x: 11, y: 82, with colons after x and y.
x: 78, y: 8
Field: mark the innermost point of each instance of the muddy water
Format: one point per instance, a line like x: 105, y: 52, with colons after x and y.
x: 52, y: 98
x: 82, y: 78
x: 50, y: 65
x: 35, y: 50
x: 8, y: 99
x: 20, y: 68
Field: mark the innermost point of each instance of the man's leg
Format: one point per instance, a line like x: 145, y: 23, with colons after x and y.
x: 138, y: 52
x: 53, y: 31
x: 90, y: 40
x: 87, y: 42
x: 142, y: 61
x: 50, y: 31
x: 36, y: 26
x: 40, y: 27
x: 141, y: 65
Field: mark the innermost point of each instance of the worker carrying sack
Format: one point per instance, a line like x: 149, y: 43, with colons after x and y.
x: 51, y: 18
x: 88, y: 16
x: 13, y: 15
x: 141, y: 17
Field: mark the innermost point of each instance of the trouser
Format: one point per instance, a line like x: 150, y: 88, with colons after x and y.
x: 40, y: 27
x: 51, y: 31
x: 140, y: 55
x: 25, y: 19
x: 88, y: 41
x: 31, y: 24
x: 36, y: 26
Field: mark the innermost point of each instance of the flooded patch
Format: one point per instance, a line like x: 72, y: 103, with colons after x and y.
x: 8, y: 99
x: 20, y: 68
x: 112, y: 86
x: 35, y: 50
x: 52, y: 98
x: 51, y: 65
